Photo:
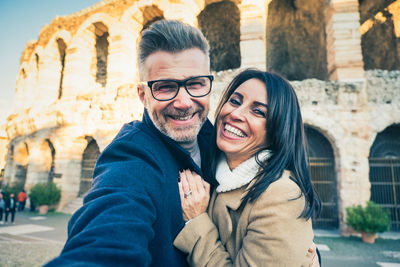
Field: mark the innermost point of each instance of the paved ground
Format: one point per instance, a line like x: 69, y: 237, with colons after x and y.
x: 33, y: 240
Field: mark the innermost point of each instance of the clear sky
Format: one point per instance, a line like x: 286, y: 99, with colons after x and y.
x: 20, y: 22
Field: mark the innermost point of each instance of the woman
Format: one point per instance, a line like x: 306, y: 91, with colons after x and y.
x: 259, y: 214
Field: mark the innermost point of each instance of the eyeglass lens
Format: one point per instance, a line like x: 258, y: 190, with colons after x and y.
x: 197, y: 86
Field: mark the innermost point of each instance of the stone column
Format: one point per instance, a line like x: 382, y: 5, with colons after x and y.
x: 253, y: 21
x: 67, y: 163
x: 344, y: 56
x: 39, y: 162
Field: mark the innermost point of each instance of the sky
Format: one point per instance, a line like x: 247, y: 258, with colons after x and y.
x: 20, y: 22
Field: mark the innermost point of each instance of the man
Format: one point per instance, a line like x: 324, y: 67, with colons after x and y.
x: 132, y: 214
x: 22, y: 196
x: 2, y: 208
x: 11, y: 205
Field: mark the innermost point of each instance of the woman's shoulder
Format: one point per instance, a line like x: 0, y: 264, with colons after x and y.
x: 284, y: 187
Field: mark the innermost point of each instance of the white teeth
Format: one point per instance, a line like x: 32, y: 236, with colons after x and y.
x: 182, y: 118
x: 234, y: 131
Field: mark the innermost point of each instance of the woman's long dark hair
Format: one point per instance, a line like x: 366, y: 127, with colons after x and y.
x: 285, y: 138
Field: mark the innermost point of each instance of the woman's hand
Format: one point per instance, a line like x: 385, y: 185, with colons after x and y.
x: 195, y: 194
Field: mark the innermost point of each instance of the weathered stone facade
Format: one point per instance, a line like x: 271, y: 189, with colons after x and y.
x: 76, y: 85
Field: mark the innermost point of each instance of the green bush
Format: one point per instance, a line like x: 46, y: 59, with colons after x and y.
x: 369, y: 219
x: 45, y: 194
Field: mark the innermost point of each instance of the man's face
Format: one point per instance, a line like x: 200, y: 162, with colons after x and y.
x: 182, y: 117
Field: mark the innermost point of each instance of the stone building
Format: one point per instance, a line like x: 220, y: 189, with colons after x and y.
x: 76, y: 87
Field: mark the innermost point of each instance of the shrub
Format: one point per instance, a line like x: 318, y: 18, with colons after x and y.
x: 45, y: 194
x: 370, y: 219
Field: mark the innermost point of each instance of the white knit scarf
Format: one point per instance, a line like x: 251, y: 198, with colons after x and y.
x: 232, y: 179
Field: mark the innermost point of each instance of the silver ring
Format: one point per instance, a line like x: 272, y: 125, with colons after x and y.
x: 188, y: 193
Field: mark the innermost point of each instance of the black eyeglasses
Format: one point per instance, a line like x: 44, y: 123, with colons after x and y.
x: 164, y: 90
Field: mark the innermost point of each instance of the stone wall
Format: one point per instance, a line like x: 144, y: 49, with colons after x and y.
x: 85, y: 89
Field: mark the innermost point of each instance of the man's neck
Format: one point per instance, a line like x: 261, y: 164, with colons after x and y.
x: 194, y: 150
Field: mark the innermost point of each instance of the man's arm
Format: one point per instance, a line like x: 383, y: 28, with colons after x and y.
x: 114, y: 226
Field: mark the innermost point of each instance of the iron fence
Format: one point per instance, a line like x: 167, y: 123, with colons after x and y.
x: 323, y: 177
x: 384, y: 176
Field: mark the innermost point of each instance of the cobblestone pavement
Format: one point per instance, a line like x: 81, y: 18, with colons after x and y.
x: 34, y: 240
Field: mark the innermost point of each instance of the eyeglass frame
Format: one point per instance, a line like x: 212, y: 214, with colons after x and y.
x: 181, y: 83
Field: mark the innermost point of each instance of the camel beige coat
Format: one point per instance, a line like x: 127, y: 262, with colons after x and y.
x: 267, y: 232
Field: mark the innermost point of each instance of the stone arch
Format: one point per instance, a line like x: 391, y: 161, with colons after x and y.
x: 89, y: 158
x: 84, y: 74
x: 296, y: 42
x: 322, y: 171
x: 151, y: 14
x: 220, y: 24
x: 53, y: 68
x: 20, y: 163
x: 384, y: 172
x: 379, y: 43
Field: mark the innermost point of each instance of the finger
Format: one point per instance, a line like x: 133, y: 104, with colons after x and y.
x: 198, y: 181
x: 185, y: 185
x: 181, y: 194
x: 191, y: 181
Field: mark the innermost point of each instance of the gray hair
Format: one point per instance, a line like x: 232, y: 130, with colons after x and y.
x: 171, y: 36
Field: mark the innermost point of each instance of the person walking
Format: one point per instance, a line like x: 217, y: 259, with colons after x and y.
x: 22, y: 196
x: 2, y: 208
x: 11, y: 205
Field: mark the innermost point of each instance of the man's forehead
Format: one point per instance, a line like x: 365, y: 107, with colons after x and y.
x: 180, y: 65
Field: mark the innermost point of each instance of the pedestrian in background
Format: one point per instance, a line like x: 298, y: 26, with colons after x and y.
x: 22, y: 196
x: 11, y: 205
x: 2, y: 208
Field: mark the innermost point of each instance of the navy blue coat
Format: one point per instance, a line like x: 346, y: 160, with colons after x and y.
x: 132, y: 213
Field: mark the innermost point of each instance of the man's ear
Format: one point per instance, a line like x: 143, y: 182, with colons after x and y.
x: 141, y: 93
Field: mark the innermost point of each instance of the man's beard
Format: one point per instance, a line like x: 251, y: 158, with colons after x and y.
x: 180, y: 134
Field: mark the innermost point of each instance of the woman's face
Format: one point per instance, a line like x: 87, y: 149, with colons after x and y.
x: 241, y: 125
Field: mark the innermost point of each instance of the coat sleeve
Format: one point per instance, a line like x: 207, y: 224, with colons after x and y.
x: 274, y: 236
x: 114, y: 226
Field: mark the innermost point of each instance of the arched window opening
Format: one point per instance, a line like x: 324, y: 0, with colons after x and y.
x: 21, y: 154
x: 384, y: 172
x: 89, y: 159
x: 102, y: 44
x: 296, y: 39
x: 61, y: 50
x: 151, y: 14
x: 52, y: 165
x: 380, y: 46
x: 322, y: 171
x: 220, y: 23
x: 37, y: 62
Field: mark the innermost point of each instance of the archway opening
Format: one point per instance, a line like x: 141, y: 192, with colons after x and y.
x: 296, y: 39
x: 61, y: 50
x: 379, y: 44
x: 89, y: 159
x: 102, y: 44
x: 220, y: 24
x: 21, y: 154
x: 384, y: 172
x: 322, y: 171
x: 151, y: 14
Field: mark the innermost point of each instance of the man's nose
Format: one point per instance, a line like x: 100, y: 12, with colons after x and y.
x: 183, y: 100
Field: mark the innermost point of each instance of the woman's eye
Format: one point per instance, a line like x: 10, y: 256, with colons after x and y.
x: 234, y: 102
x: 260, y: 112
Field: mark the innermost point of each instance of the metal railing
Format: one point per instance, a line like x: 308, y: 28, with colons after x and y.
x: 384, y: 175
x: 323, y: 177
